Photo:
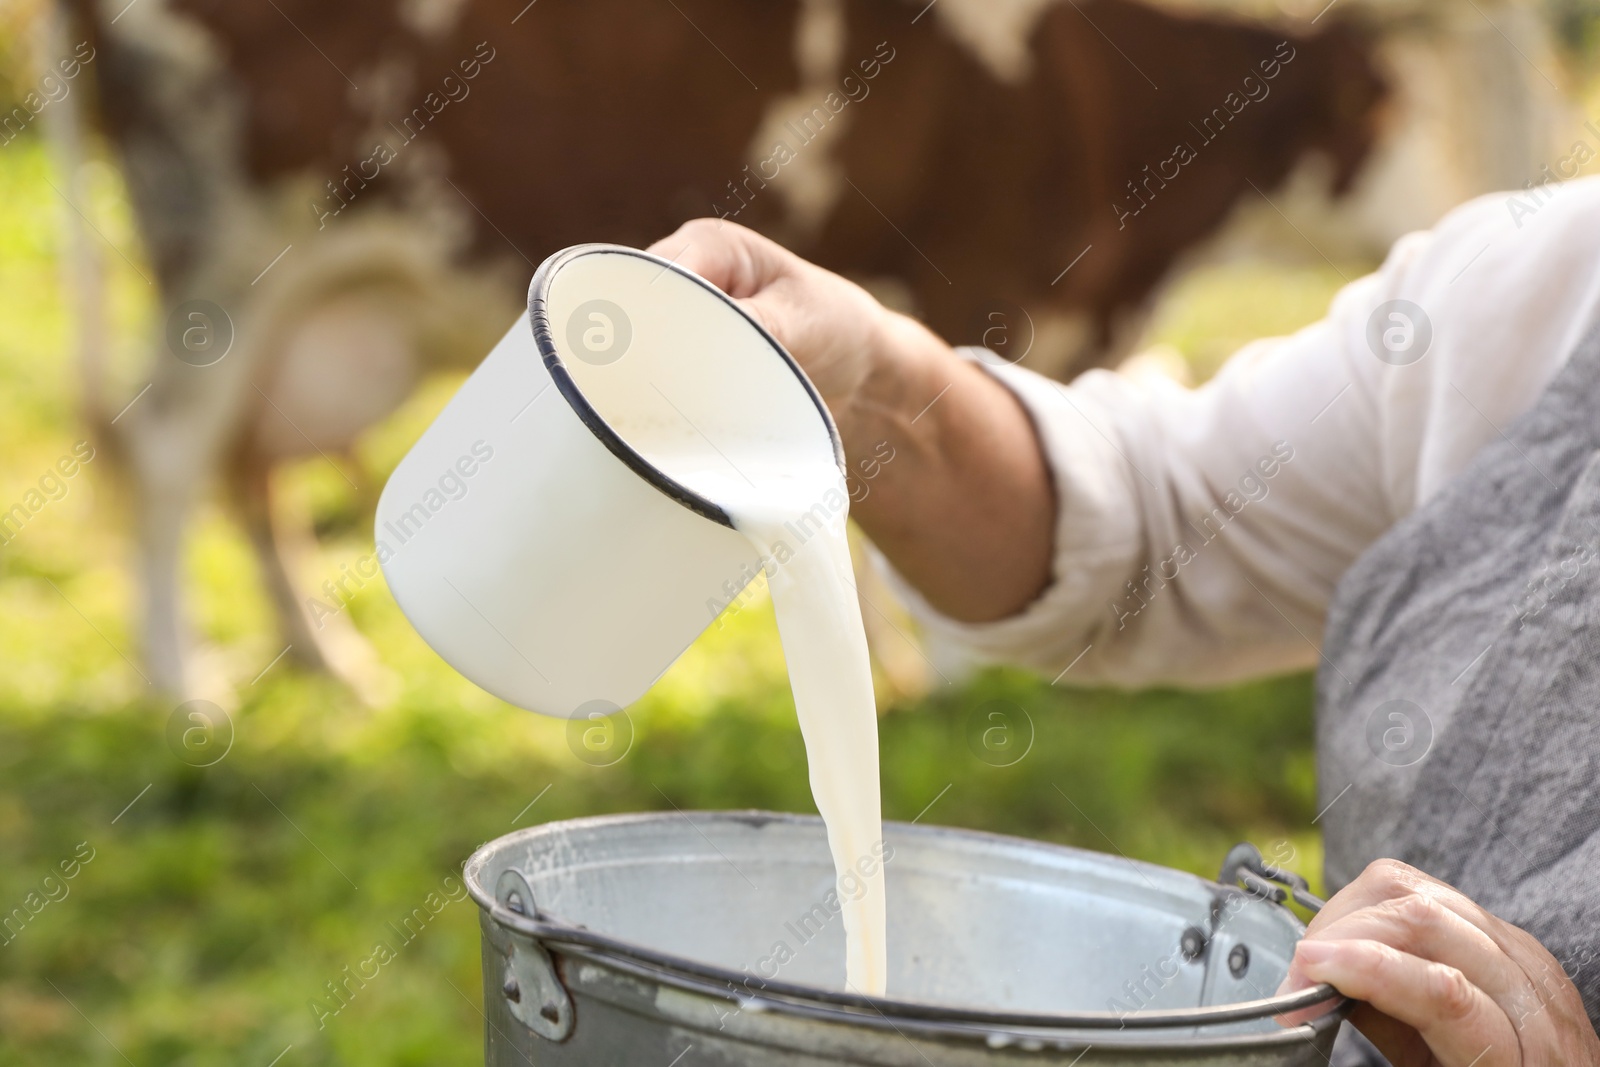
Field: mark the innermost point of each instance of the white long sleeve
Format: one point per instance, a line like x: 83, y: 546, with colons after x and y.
x: 1200, y: 533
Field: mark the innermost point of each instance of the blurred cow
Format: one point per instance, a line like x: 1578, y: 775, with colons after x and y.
x: 337, y: 197
x: 1128, y: 136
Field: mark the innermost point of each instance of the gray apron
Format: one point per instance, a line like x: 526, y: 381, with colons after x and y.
x: 1458, y: 700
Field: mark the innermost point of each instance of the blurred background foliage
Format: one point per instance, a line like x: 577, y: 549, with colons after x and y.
x: 219, y: 900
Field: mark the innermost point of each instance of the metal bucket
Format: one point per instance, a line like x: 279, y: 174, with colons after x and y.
x: 684, y: 939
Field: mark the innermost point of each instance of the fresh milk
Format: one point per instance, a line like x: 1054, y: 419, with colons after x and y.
x: 794, y: 514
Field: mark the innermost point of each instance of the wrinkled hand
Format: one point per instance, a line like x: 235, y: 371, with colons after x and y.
x: 969, y: 471
x: 832, y: 327
x: 1444, y: 983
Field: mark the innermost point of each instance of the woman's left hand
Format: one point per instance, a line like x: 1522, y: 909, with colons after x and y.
x: 1443, y: 982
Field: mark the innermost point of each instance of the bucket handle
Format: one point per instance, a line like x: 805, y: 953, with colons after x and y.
x: 1245, y: 866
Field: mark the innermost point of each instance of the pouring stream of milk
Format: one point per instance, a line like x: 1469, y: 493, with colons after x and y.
x: 794, y: 514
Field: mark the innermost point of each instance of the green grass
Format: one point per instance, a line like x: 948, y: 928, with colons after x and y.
x: 221, y: 900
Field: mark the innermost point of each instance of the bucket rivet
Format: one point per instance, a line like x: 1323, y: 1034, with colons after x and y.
x: 550, y: 1011
x: 514, y: 903
x: 1193, y: 943
x: 512, y: 991
x: 1239, y: 961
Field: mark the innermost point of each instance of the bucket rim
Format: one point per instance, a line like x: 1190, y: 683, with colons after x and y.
x: 833, y: 1005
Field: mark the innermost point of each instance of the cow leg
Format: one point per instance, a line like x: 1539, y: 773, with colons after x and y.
x: 163, y: 511
x: 314, y: 636
x: 250, y: 492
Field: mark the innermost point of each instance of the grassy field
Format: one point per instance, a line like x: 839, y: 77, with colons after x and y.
x: 210, y: 905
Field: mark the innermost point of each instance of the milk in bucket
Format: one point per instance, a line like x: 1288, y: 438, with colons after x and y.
x: 631, y: 448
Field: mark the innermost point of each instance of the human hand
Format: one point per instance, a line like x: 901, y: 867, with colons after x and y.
x: 1444, y: 983
x: 969, y: 472
x: 849, y: 344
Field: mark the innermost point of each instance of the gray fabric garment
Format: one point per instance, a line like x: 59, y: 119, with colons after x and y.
x: 1458, y: 718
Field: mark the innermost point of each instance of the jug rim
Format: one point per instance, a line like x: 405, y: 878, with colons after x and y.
x: 820, y: 1002
x: 544, y: 340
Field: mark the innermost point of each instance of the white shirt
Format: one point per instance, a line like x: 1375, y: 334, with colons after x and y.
x: 1321, y: 444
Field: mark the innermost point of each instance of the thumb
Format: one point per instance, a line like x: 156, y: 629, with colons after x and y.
x: 736, y: 260
x: 1294, y: 982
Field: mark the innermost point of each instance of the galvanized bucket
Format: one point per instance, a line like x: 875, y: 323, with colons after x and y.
x: 683, y: 939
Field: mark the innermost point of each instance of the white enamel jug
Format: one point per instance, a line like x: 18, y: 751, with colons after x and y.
x: 535, y: 535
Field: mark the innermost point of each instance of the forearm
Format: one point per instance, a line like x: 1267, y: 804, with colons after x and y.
x: 966, y: 509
